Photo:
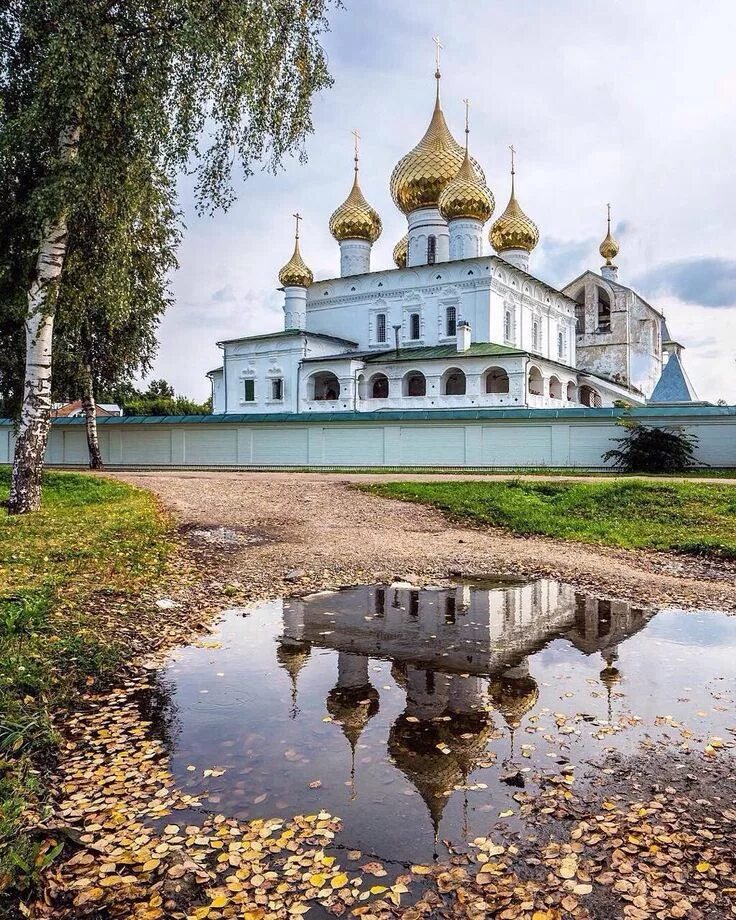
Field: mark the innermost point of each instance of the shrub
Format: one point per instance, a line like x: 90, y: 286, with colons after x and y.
x: 653, y: 450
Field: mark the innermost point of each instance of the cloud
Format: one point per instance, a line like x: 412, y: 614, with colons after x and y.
x: 224, y: 294
x: 710, y: 282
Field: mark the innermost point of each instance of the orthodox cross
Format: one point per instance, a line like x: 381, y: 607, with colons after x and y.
x: 356, y: 137
x: 609, y: 216
x: 467, y: 122
x: 513, y: 154
x: 298, y: 217
x: 438, y: 48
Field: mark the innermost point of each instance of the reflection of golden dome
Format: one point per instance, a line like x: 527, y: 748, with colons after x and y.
x: 466, y: 196
x: 401, y: 251
x: 355, y: 219
x: 296, y: 273
x: 513, y: 229
x: 352, y: 708
x: 419, y: 177
x: 513, y: 697
x: 413, y: 746
x: 292, y: 655
x: 610, y: 677
x: 609, y: 247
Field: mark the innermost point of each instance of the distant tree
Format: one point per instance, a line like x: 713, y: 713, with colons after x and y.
x: 86, y: 87
x: 160, y: 399
x: 653, y: 450
x: 114, y: 290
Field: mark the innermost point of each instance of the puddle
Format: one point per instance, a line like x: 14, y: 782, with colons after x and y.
x: 224, y: 537
x: 417, y: 715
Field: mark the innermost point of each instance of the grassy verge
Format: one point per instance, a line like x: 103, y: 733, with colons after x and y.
x: 67, y: 576
x: 685, y: 517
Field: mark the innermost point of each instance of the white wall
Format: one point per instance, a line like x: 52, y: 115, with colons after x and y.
x: 565, y: 439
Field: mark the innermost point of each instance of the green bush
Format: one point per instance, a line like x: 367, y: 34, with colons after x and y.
x: 653, y: 450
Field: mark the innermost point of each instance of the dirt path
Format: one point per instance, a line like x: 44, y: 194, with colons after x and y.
x: 311, y: 530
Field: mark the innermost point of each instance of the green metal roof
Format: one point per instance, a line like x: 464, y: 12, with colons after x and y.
x: 430, y: 352
x: 287, y: 334
x: 396, y: 415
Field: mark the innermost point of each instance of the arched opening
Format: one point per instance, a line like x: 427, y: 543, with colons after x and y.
x: 379, y: 386
x: 536, y: 382
x: 415, y: 384
x: 325, y: 386
x: 431, y: 250
x: 580, y: 312
x: 453, y: 382
x: 536, y: 335
x: 414, y: 326
x: 497, y: 380
x: 451, y: 322
x: 571, y: 392
x: 555, y: 388
x: 590, y: 397
x: 508, y: 327
x: 604, y: 310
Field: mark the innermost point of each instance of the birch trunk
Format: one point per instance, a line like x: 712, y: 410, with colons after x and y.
x: 90, y: 418
x: 35, y: 420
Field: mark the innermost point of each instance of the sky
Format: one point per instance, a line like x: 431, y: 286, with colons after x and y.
x: 629, y: 102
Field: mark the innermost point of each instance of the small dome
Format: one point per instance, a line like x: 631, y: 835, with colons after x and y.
x: 419, y: 177
x: 401, y: 251
x: 466, y: 196
x: 513, y: 229
x: 609, y: 247
x: 296, y: 272
x: 355, y: 219
x: 513, y: 697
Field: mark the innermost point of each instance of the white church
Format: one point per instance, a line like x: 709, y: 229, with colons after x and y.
x: 450, y: 327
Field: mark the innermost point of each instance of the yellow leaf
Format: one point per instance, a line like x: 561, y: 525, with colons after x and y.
x: 339, y: 881
x: 701, y: 867
x: 220, y: 901
x: 421, y: 870
x: 317, y: 880
x: 378, y: 889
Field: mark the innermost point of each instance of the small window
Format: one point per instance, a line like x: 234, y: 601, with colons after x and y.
x: 508, y: 328
x: 431, y: 250
x: 277, y: 389
x: 414, y: 326
x: 560, y: 345
x: 381, y: 327
x: 250, y: 390
x: 535, y: 335
x: 451, y: 321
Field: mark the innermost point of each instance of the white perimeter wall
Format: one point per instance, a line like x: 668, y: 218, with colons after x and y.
x: 512, y: 442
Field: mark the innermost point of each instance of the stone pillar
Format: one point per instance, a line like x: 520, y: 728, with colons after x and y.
x: 423, y: 223
x: 609, y: 272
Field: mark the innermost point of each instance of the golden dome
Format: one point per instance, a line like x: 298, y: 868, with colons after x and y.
x: 609, y: 247
x: 401, y: 251
x: 355, y: 219
x: 466, y: 195
x: 610, y: 676
x: 419, y: 177
x: 296, y: 273
x: 352, y: 708
x: 513, y: 229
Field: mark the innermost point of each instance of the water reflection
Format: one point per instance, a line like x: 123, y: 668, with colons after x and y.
x: 399, y: 709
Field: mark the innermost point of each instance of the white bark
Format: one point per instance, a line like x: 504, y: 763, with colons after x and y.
x: 35, y: 420
x: 90, y: 418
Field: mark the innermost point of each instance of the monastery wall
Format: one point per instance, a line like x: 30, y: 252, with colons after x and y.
x: 480, y: 438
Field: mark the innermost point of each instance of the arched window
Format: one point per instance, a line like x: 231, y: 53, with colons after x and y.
x: 580, y: 312
x: 536, y: 382
x: 414, y: 326
x: 571, y: 392
x: 604, y: 310
x: 415, y: 384
x: 560, y: 344
x: 497, y: 380
x: 555, y: 388
x: 453, y: 382
x: 380, y: 327
x: 451, y: 321
x: 536, y: 335
x: 379, y: 387
x: 508, y: 327
x: 325, y: 386
x: 431, y: 250
x: 590, y: 397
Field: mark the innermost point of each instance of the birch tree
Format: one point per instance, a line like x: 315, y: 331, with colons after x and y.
x: 87, y: 86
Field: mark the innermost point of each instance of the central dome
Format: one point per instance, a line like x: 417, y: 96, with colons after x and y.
x: 419, y: 177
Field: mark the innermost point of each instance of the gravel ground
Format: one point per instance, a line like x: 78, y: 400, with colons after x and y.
x: 287, y: 532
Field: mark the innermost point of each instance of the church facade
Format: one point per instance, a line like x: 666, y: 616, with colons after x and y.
x: 450, y: 327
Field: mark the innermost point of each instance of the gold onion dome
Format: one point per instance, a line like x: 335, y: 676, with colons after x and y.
x: 401, y: 251
x: 513, y: 229
x: 609, y: 247
x: 355, y: 219
x: 419, y: 177
x: 296, y: 273
x: 513, y: 697
x: 466, y: 196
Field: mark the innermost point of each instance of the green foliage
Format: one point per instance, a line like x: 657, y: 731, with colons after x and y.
x: 653, y: 450
x: 158, y: 399
x: 54, y: 636
x: 686, y: 517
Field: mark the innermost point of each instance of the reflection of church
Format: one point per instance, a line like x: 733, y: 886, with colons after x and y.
x: 458, y: 654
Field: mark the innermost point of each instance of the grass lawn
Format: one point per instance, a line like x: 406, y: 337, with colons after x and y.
x: 66, y: 576
x: 685, y: 517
